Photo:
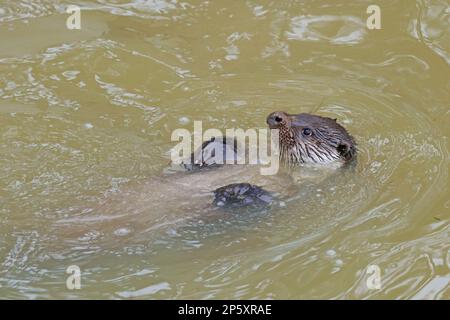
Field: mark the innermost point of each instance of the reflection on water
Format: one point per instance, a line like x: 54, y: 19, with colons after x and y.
x: 351, y: 30
x: 85, y: 114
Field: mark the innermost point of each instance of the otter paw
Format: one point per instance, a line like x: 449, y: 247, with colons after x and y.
x: 213, y: 153
x: 242, y: 195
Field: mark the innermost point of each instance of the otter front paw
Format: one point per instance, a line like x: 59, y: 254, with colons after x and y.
x: 242, y: 195
x: 215, y: 152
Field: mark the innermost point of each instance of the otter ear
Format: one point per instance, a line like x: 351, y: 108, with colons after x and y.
x: 345, y: 150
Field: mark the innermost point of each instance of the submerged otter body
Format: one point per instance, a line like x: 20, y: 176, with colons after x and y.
x: 208, y: 186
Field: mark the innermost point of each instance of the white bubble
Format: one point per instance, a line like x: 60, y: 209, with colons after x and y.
x: 183, y: 120
x: 331, y: 253
x: 88, y: 125
x: 172, y: 232
x: 70, y: 74
x: 122, y: 232
x: 239, y: 103
x: 335, y: 269
x: 231, y: 57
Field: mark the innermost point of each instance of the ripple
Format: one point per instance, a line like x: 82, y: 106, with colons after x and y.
x: 150, y: 290
x: 430, y: 25
x: 154, y: 9
x: 25, y: 9
x: 314, y: 28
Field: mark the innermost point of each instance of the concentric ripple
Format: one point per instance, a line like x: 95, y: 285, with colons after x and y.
x: 88, y: 114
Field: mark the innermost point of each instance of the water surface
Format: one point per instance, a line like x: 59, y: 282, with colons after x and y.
x: 83, y: 113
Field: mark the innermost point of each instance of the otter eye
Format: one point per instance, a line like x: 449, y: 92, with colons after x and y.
x: 307, y: 131
x: 278, y: 119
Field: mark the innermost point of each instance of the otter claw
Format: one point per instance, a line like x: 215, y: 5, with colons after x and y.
x: 242, y: 195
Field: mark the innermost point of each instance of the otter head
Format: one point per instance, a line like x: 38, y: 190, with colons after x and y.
x: 312, y: 139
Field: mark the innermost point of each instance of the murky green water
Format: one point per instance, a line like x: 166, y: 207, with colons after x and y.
x: 85, y: 113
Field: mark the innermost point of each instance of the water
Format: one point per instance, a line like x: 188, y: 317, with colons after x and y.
x: 84, y: 113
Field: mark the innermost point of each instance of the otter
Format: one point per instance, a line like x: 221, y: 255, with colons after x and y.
x: 304, y: 139
x: 307, y: 138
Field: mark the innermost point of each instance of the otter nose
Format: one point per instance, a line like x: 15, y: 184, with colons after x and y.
x: 275, y: 119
